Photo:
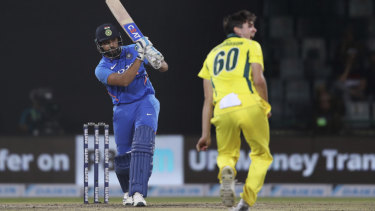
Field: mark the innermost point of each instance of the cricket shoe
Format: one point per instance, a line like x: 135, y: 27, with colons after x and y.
x: 241, y: 206
x: 227, y: 193
x: 128, y: 200
x: 138, y: 200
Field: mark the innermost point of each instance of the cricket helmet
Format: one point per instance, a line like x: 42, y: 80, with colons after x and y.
x: 105, y: 32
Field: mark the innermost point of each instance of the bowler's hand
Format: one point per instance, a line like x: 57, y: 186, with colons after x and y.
x: 203, y: 143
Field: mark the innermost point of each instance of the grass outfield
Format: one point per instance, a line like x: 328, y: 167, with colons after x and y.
x: 185, y: 204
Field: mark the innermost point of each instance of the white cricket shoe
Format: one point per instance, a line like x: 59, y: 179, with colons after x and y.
x: 138, y: 200
x: 227, y: 193
x: 241, y: 206
x: 128, y: 200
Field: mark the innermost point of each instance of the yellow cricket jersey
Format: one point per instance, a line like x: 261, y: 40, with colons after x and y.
x: 228, y: 67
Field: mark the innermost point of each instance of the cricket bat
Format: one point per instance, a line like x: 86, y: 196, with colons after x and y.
x: 124, y: 19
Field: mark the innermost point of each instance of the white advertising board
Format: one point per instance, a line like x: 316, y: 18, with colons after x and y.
x: 168, y: 161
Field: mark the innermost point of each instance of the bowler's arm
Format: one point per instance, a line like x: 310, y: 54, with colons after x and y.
x: 260, y: 82
x: 205, y: 140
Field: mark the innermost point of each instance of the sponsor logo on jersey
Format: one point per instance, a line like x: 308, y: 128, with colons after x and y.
x: 124, y: 69
x: 121, y: 71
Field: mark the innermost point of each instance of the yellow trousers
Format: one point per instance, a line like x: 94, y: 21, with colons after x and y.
x: 253, y: 122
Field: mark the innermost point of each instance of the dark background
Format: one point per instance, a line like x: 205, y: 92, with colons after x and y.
x: 49, y: 43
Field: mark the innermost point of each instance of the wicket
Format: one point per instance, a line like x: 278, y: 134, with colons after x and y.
x: 96, y: 161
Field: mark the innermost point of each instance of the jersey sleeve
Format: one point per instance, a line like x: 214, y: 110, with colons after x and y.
x: 102, y: 73
x: 146, y: 61
x: 204, y: 73
x: 256, y: 55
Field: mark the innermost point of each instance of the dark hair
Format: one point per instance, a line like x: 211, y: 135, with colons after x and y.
x: 237, y: 19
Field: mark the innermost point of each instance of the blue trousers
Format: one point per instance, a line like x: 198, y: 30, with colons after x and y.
x: 127, y: 117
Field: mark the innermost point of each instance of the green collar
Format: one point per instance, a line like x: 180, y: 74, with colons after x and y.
x: 232, y: 35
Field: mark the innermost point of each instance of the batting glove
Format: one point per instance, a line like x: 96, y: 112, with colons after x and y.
x: 144, y: 42
x: 140, y: 47
x: 154, y: 57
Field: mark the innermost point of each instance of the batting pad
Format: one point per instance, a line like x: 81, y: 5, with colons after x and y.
x: 122, y: 167
x: 141, y: 159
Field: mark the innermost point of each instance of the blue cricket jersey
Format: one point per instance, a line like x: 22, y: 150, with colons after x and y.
x: 137, y: 89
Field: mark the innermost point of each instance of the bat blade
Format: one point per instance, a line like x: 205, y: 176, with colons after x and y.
x: 124, y: 19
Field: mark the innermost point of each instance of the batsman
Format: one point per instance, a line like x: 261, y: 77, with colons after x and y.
x: 135, y: 107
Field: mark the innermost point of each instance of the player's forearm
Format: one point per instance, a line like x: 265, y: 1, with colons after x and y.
x: 206, y: 118
x: 125, y: 78
x: 128, y: 76
x: 259, y: 80
x: 207, y: 108
x: 164, y: 66
x: 261, y: 87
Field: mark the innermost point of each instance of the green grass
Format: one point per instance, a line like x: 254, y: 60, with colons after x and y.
x: 189, y: 199
x: 315, y: 199
x: 76, y: 200
x: 189, y: 204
